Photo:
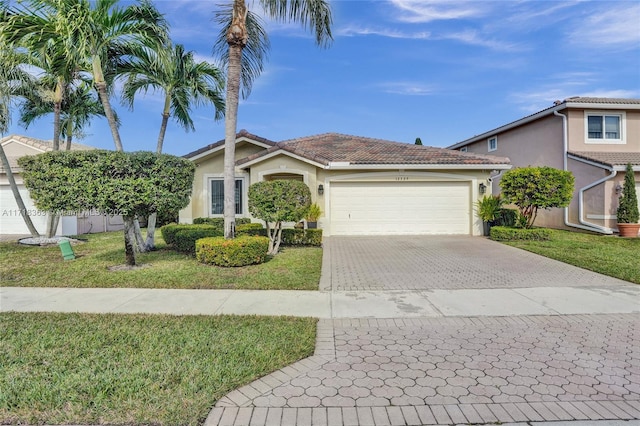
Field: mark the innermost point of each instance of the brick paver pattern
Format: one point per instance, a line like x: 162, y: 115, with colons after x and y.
x: 445, y: 262
x: 452, y: 371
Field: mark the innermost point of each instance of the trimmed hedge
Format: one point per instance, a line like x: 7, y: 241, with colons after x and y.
x: 219, y: 221
x: 241, y: 251
x: 251, y: 229
x: 503, y: 233
x: 302, y: 237
x: 169, y: 231
x: 185, y: 239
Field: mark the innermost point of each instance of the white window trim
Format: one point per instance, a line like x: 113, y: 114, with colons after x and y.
x: 207, y: 178
x: 492, y: 138
x: 623, y: 126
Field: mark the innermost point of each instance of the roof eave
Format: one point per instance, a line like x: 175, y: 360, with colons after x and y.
x: 280, y: 151
x: 342, y: 166
x: 513, y: 124
x: 221, y: 147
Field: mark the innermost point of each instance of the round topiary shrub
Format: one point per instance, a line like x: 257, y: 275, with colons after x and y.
x: 241, y: 251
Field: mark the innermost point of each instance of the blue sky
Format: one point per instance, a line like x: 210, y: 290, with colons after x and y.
x: 440, y: 70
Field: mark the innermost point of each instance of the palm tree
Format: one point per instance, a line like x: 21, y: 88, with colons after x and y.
x: 92, y: 35
x: 243, y: 44
x: 79, y: 106
x: 184, y: 83
x: 12, y: 79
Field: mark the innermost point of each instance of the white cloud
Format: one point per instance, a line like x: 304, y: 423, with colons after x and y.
x: 421, y: 11
x: 472, y: 37
x: 407, y: 88
x: 382, y: 32
x: 618, y: 25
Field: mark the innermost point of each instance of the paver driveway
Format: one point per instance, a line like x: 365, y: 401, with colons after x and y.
x: 451, y: 370
x: 443, y: 262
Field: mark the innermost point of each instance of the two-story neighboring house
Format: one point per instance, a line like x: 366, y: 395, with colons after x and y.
x: 592, y: 137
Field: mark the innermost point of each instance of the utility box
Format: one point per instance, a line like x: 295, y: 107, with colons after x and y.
x: 67, y: 250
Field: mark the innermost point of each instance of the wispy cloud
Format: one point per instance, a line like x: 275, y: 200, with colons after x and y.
x: 421, y: 11
x: 616, y: 26
x: 408, y: 88
x: 474, y: 38
x: 353, y: 30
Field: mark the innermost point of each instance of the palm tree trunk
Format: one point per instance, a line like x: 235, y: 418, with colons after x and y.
x: 16, y: 194
x: 150, y: 242
x: 101, y: 86
x: 53, y: 219
x: 237, y: 39
x: 129, y: 252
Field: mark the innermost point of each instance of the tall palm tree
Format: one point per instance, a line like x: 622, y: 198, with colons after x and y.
x: 92, y: 34
x: 12, y: 79
x: 243, y: 44
x: 183, y: 81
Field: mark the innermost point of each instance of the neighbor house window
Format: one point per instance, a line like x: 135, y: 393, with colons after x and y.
x: 217, y: 196
x: 604, y: 127
x: 463, y: 149
x: 492, y: 143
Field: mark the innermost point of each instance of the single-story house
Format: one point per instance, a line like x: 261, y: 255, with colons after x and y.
x: 592, y: 137
x: 11, y: 222
x: 364, y: 186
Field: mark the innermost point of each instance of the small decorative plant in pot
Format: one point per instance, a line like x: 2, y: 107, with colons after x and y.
x: 312, y: 216
x: 628, y: 215
x: 489, y: 210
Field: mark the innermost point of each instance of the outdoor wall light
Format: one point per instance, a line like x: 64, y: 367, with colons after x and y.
x: 483, y: 188
x: 320, y: 189
x: 618, y: 189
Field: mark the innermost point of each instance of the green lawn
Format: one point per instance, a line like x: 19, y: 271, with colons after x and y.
x: 136, y: 369
x: 28, y: 266
x: 606, y: 254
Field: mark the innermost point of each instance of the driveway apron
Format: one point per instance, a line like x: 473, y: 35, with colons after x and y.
x: 452, y: 369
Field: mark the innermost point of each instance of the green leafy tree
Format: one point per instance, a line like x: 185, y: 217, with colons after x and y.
x: 628, y: 207
x: 533, y: 188
x: 110, y: 182
x: 278, y: 201
x: 243, y: 44
x: 418, y: 141
x: 183, y: 82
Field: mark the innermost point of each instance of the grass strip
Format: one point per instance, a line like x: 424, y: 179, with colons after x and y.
x: 136, y: 369
x: 606, y: 254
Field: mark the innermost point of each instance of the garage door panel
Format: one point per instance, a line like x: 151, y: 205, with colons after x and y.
x: 11, y: 222
x: 386, y: 208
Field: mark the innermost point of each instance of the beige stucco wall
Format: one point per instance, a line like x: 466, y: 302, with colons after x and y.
x: 211, y: 166
x: 577, y: 133
x: 16, y: 149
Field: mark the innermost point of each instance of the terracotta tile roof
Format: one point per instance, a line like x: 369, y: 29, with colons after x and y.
x: 610, y: 159
x: 334, y: 147
x: 241, y: 133
x: 588, y: 100
x: 39, y: 144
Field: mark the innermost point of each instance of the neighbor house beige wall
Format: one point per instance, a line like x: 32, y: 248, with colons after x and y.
x: 16, y: 149
x: 577, y: 132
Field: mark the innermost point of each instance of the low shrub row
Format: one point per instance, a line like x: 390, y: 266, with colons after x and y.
x: 183, y: 237
x: 218, y: 222
x: 302, y: 237
x: 240, y: 251
x: 503, y: 233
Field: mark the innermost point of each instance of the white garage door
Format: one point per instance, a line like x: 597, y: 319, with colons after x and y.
x: 10, y: 220
x: 387, y: 208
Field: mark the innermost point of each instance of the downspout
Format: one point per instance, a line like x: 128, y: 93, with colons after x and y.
x: 588, y: 226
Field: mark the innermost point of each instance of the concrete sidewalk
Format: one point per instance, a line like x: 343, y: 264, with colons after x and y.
x: 622, y: 299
